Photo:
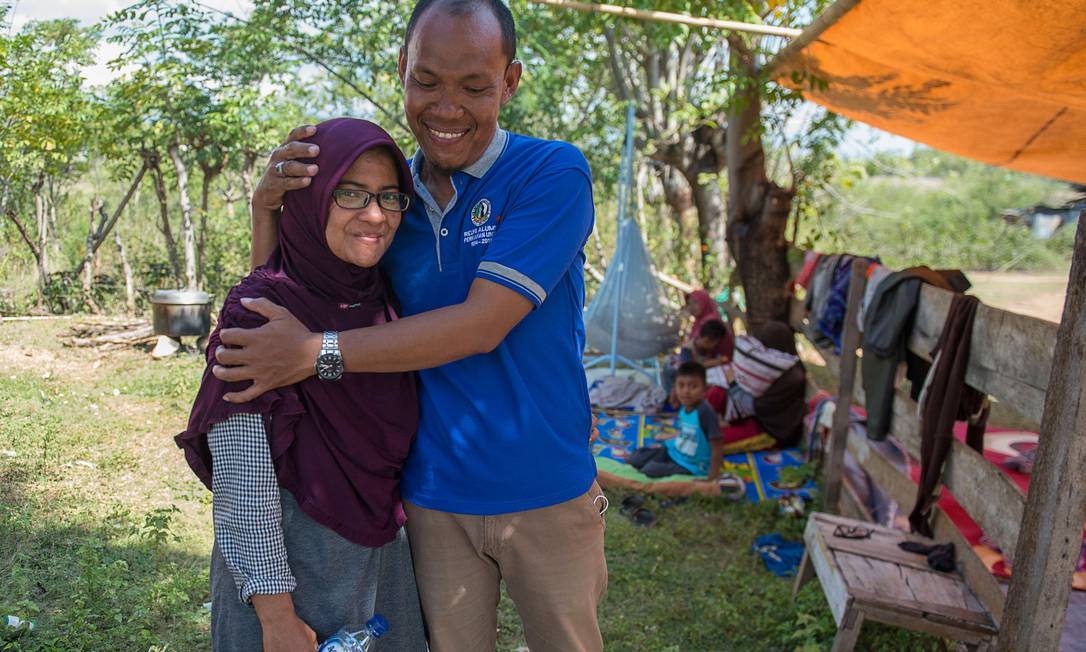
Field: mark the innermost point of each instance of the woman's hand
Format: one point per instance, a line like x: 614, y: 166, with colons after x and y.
x: 292, y: 175
x: 282, y: 629
x: 279, y: 353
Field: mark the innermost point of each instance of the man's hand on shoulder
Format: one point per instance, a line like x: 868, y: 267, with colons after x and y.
x: 279, y: 353
x: 283, y: 630
x: 284, y: 173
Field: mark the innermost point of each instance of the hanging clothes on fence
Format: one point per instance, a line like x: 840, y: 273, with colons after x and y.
x: 946, y: 399
x: 832, y: 320
x: 876, y: 274
x: 818, y: 295
x: 887, y: 323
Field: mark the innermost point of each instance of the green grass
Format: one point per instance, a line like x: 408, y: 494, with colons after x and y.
x: 105, y: 533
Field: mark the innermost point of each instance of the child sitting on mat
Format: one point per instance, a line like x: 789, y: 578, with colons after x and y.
x: 703, y: 348
x: 698, y: 448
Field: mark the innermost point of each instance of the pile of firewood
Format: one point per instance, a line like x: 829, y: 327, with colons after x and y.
x: 110, y: 335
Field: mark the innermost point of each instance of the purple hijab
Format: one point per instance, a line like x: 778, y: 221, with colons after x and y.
x: 337, y: 446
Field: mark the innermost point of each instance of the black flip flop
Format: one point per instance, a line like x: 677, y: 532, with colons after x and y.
x: 643, y: 517
x: 631, y: 504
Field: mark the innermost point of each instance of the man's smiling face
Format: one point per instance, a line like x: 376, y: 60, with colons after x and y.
x: 456, y: 77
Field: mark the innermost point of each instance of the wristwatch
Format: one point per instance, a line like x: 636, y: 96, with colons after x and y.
x: 330, y: 360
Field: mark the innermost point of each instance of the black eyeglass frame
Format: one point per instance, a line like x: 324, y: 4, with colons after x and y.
x: 402, y: 199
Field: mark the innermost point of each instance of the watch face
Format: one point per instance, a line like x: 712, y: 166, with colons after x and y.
x: 329, y: 366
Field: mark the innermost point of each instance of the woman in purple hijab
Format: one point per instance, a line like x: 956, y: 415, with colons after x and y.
x: 308, y: 521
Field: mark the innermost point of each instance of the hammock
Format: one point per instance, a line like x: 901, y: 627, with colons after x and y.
x: 628, y: 318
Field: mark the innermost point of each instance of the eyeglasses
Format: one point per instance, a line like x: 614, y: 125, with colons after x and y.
x: 356, y: 198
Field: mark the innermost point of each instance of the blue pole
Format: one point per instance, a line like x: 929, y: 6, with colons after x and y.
x: 625, y: 183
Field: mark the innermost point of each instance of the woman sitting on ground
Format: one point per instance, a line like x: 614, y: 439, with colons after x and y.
x: 704, y: 310
x: 305, y: 479
x: 767, y: 382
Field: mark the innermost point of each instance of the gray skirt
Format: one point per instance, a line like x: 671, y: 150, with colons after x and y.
x: 339, y: 584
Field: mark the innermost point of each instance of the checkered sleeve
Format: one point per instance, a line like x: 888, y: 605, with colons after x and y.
x: 246, y: 510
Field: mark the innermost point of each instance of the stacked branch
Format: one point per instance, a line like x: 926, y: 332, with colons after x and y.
x: 111, y: 335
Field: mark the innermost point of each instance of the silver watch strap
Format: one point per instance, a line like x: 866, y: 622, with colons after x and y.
x: 330, y: 342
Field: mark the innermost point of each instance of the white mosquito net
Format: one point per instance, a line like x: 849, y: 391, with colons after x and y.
x: 646, y: 325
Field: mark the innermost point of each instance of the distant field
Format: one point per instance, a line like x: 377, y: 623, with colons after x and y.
x: 1037, y: 295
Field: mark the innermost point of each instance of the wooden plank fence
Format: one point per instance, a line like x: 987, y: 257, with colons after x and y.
x: 1036, y: 368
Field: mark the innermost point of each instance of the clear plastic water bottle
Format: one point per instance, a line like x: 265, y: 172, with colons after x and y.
x: 360, y: 641
x: 13, y: 627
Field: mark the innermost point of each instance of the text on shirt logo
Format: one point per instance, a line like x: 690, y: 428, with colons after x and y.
x: 480, y: 235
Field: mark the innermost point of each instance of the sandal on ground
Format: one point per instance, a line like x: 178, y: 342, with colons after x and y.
x: 732, y: 487
x: 643, y: 517
x: 631, y: 504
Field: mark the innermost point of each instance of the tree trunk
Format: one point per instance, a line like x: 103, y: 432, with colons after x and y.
x: 699, y: 156
x: 94, y: 225
x: 41, y: 219
x: 201, y: 238
x: 757, y: 208
x: 229, y: 196
x: 188, y: 231
x: 714, y: 250
x: 247, y: 176
x: 164, y: 214
x: 129, y: 283
x: 51, y: 204
x: 678, y: 198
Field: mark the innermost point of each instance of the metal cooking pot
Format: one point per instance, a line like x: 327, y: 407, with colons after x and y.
x: 180, y: 313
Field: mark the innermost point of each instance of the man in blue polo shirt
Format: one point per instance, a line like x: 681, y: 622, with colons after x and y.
x: 488, y: 264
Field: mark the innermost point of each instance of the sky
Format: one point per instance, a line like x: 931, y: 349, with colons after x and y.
x: 861, y: 142
x: 89, y: 12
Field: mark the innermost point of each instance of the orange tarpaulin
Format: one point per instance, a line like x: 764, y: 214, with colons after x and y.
x: 999, y: 81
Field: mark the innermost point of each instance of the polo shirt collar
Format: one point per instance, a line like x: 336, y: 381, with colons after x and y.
x: 479, y: 168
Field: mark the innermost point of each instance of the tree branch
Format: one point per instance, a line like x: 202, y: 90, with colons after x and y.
x: 107, y: 226
x: 26, y: 237
x: 355, y: 87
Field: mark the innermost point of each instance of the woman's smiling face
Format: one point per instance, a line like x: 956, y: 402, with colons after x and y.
x: 360, y: 236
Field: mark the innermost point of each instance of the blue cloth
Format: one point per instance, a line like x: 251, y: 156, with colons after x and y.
x: 690, y: 449
x: 832, y: 320
x: 507, y: 430
x: 781, y: 557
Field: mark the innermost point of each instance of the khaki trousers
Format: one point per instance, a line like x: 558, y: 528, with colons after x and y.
x: 550, y: 558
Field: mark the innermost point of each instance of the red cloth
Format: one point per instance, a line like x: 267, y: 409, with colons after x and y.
x: 740, y: 430
x: 733, y: 432
x: 810, y: 261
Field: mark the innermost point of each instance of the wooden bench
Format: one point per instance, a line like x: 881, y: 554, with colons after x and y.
x: 1010, y: 359
x: 873, y: 579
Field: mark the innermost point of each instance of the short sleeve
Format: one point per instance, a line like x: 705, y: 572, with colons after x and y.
x: 544, y: 230
x: 709, y: 420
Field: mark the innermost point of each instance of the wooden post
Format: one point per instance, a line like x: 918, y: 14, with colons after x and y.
x: 1050, y: 538
x: 850, y: 341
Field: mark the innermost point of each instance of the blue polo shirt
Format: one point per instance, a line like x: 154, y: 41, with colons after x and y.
x: 508, y: 430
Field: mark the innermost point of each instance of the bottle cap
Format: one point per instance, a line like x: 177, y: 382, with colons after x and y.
x: 378, y: 625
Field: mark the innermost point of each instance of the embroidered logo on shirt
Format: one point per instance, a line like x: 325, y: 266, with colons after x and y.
x: 480, y: 213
